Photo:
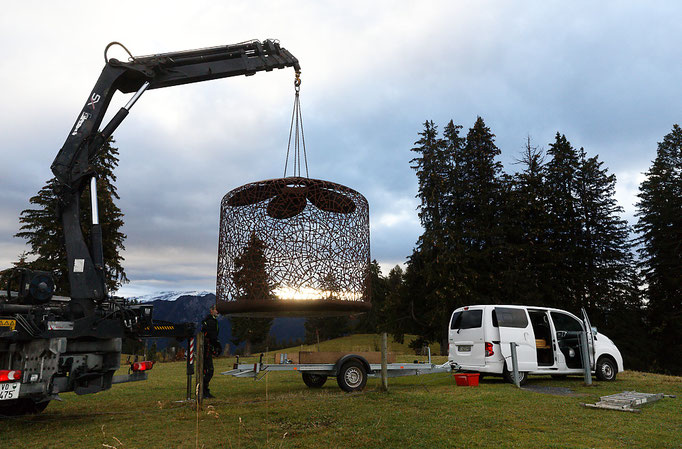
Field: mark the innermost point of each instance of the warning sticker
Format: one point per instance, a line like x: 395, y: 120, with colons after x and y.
x: 10, y: 324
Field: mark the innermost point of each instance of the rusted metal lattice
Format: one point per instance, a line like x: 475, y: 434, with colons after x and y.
x: 293, y: 246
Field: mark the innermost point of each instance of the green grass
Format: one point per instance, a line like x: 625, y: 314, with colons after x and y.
x: 281, y: 412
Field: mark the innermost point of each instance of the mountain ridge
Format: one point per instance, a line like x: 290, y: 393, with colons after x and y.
x: 193, y: 307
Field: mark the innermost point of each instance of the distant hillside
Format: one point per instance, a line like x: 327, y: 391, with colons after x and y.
x: 194, y: 307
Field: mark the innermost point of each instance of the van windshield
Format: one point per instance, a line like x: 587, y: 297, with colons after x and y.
x: 467, y: 319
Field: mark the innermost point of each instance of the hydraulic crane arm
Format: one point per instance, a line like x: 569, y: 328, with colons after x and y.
x: 153, y: 72
x: 73, y: 165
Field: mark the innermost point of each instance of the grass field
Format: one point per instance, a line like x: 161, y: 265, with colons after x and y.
x: 281, y: 412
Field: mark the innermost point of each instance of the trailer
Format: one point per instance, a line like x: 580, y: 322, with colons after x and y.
x: 350, y: 369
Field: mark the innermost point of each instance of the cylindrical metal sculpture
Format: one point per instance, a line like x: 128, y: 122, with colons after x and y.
x: 293, y: 247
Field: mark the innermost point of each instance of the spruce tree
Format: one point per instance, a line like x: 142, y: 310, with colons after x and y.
x: 326, y: 328
x: 660, y: 228
x: 42, y: 226
x: 483, y: 194
x: 526, y: 223
x: 605, y: 256
x: 434, y: 168
x: 375, y: 320
x: 561, y: 177
x: 253, y: 283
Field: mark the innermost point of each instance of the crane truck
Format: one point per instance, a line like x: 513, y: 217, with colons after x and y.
x: 52, y: 344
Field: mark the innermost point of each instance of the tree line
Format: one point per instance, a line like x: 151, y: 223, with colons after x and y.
x: 549, y: 234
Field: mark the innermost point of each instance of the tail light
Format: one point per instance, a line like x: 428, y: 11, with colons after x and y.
x: 9, y: 375
x: 142, y: 366
x: 489, y: 349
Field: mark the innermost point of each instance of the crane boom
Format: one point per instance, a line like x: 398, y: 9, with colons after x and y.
x: 73, y: 165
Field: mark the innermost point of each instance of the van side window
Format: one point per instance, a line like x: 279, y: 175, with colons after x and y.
x: 505, y: 317
x: 467, y: 319
x: 563, y: 322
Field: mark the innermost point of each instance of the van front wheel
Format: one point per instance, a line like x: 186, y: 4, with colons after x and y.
x: 509, y: 377
x: 606, y: 369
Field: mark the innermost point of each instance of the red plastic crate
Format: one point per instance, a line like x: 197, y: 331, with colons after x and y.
x: 467, y: 379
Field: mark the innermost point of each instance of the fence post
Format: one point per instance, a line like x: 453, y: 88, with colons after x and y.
x: 190, y: 366
x: 200, y: 368
x: 384, y: 362
x: 585, y: 349
x: 515, y: 364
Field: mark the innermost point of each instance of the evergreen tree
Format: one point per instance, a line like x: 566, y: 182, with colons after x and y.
x: 605, y: 256
x: 326, y: 328
x: 459, y: 255
x: 42, y: 226
x: 434, y: 166
x: 561, y: 177
x: 375, y: 320
x: 253, y: 283
x: 660, y: 228
x: 526, y: 223
x: 483, y: 194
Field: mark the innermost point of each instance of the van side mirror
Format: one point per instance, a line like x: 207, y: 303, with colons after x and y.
x: 594, y: 330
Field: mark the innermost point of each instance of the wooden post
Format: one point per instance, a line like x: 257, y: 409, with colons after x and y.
x: 384, y: 362
x: 200, y: 368
x: 190, y: 365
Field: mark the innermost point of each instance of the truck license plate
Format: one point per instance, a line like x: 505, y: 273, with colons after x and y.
x: 464, y: 348
x: 9, y: 390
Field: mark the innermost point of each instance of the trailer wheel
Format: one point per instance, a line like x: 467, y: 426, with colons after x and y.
x: 314, y: 380
x: 24, y: 406
x: 352, y: 376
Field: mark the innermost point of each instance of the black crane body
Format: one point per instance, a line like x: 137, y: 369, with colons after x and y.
x: 51, y: 344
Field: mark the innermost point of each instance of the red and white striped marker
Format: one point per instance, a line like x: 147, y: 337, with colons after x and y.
x: 191, y: 351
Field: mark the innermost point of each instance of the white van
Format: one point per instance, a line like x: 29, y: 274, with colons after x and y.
x: 548, y: 342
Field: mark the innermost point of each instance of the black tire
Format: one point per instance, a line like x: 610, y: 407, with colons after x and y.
x: 509, y: 377
x: 606, y: 369
x: 559, y: 376
x: 314, y: 380
x: 23, y: 406
x: 352, y: 376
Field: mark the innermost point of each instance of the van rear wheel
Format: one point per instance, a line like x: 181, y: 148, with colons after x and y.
x: 509, y: 377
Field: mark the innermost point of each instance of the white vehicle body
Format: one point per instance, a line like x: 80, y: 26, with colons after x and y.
x: 548, y: 341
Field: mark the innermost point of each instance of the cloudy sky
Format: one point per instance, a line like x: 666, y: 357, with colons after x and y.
x: 606, y: 74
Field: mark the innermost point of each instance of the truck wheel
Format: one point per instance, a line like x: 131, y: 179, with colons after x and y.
x: 314, y: 380
x: 606, y: 369
x: 509, y: 377
x: 352, y: 376
x: 24, y: 406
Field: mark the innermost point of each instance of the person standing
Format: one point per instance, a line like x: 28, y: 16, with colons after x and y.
x: 209, y: 326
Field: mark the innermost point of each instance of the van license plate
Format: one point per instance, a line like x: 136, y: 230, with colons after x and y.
x: 464, y: 348
x: 9, y: 390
